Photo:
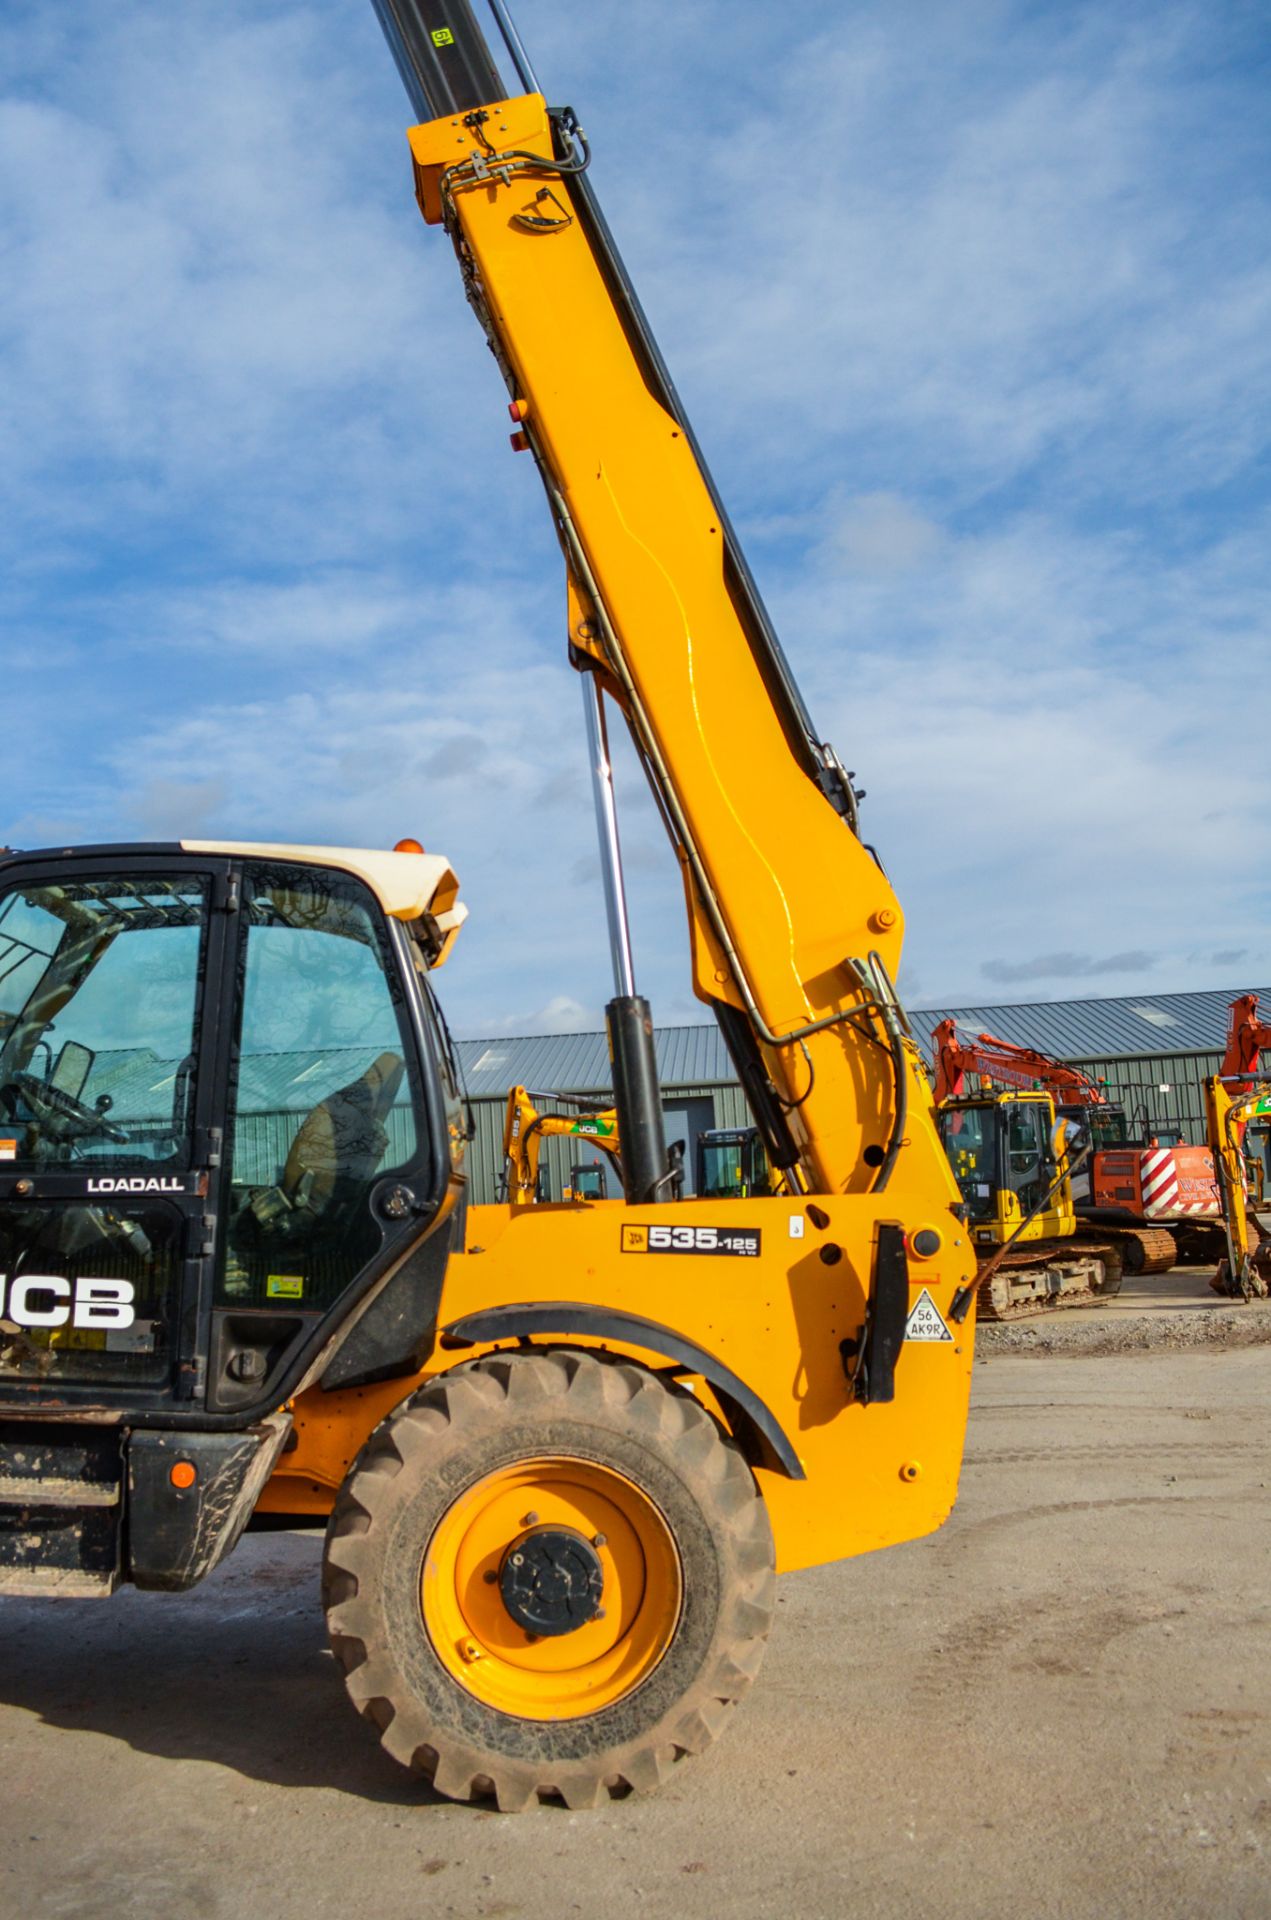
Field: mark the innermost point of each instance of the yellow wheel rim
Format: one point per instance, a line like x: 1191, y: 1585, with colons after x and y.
x: 563, y: 1676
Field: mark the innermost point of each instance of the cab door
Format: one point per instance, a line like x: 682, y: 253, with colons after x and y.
x: 338, y: 1138
x: 110, y: 969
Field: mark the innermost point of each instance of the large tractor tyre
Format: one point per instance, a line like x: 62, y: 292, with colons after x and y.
x: 548, y: 1577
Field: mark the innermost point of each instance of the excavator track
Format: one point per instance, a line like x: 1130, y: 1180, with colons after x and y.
x: 1147, y: 1250
x: 1042, y: 1278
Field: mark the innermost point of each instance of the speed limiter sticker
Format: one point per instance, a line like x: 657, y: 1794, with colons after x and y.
x: 742, y: 1242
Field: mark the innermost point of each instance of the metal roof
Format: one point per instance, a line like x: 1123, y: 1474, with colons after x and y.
x: 579, y: 1062
x: 1143, y: 1023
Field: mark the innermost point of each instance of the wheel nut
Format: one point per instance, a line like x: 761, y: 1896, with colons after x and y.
x: 518, y: 1559
x: 489, y: 1576
x: 530, y: 1520
x: 469, y: 1651
x: 599, y: 1539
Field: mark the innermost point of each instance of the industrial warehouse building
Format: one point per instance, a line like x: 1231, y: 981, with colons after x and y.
x: 1153, y: 1051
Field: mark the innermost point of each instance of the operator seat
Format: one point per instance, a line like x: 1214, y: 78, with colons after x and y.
x: 321, y: 1198
x: 343, y: 1139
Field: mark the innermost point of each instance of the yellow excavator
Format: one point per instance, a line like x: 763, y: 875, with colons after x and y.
x: 1234, y: 1097
x: 525, y: 1129
x: 559, y: 1452
x: 729, y: 1162
x: 1244, y: 1272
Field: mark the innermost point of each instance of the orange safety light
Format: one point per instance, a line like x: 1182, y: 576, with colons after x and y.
x: 408, y: 846
x: 183, y: 1474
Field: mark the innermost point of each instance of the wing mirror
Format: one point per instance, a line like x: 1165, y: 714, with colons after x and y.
x: 71, y: 1068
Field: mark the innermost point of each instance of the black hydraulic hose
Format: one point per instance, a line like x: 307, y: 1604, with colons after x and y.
x: 900, y: 1106
x: 887, y: 1009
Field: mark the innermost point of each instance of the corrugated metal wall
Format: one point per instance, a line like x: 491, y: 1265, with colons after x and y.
x: 1133, y: 1082
x: 1136, y: 1083
x: 263, y: 1139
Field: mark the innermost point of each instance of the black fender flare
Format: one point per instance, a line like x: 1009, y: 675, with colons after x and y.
x: 537, y: 1318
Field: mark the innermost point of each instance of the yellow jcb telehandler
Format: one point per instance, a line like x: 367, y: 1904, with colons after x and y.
x: 559, y: 1452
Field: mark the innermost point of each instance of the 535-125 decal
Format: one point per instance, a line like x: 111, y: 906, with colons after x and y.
x: 741, y: 1242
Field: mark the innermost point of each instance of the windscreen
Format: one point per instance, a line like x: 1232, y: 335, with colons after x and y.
x: 970, y: 1140
x: 99, y: 990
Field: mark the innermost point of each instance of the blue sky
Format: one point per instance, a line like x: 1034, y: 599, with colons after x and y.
x: 971, y: 306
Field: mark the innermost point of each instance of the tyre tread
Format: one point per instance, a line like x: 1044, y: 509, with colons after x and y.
x: 597, y: 1392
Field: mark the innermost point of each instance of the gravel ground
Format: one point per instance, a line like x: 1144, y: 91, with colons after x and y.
x: 1163, y: 1312
x: 1057, y: 1707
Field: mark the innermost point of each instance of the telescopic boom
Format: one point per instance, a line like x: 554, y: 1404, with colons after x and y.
x: 795, y: 931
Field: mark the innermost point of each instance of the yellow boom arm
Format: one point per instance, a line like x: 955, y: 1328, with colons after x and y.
x: 1247, y: 1269
x: 525, y: 1129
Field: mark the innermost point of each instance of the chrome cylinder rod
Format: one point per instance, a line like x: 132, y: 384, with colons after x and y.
x: 607, y: 832
x: 516, y: 47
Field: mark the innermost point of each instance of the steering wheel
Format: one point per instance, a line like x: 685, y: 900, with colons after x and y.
x: 61, y: 1112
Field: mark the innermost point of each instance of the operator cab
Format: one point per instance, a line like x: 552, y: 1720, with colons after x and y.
x: 1106, y: 1125
x: 1002, y: 1149
x: 731, y: 1164
x: 588, y: 1181
x: 228, y: 1106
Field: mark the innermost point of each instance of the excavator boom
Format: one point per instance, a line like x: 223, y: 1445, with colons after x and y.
x: 1013, y: 1066
x: 1247, y: 1039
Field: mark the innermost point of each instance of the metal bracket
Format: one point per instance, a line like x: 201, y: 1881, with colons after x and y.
x: 878, y: 1349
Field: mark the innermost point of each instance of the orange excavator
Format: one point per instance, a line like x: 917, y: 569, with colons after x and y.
x: 1146, y: 1194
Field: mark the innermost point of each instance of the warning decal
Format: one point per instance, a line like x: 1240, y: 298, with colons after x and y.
x: 925, y: 1321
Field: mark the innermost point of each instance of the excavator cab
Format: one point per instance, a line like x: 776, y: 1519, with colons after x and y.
x: 1006, y: 1155
x: 731, y: 1163
x: 588, y: 1182
x: 1107, y: 1125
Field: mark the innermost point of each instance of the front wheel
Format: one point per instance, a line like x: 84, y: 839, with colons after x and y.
x: 548, y: 1576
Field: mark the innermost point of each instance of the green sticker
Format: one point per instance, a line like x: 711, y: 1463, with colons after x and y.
x: 285, y: 1286
x: 442, y: 37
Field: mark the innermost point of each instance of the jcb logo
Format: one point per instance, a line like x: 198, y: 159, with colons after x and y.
x: 49, y: 1300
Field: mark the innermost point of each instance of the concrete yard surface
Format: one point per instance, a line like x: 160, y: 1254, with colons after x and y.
x: 1057, y: 1706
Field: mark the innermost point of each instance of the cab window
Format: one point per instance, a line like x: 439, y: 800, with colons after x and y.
x: 99, y: 991
x: 970, y: 1141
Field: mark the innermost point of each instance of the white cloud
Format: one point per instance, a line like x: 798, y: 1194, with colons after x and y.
x: 877, y: 533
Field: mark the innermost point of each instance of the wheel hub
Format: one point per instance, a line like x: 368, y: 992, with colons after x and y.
x: 552, y: 1581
